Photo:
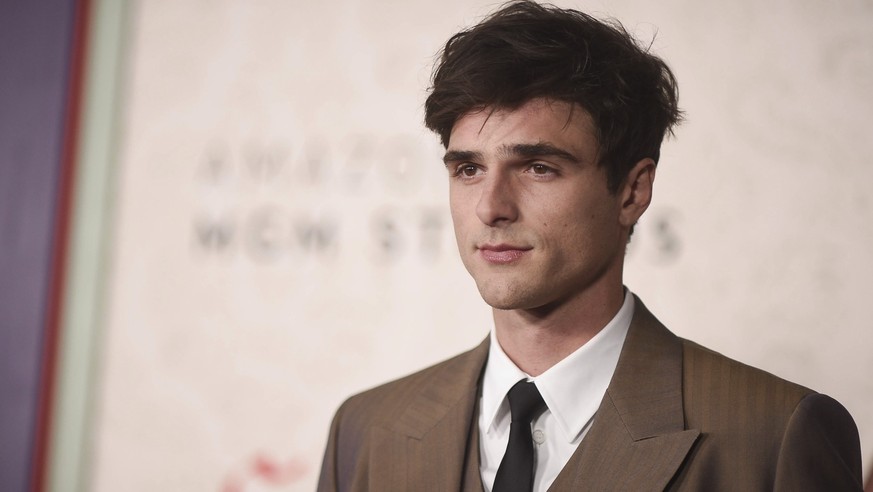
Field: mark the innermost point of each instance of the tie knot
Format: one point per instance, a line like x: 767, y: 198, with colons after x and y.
x: 525, y: 401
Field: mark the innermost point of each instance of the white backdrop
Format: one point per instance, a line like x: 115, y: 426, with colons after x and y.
x: 282, y: 235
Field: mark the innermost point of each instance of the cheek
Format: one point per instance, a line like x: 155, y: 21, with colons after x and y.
x: 580, y: 227
x: 462, y: 205
x: 458, y: 219
x: 456, y: 210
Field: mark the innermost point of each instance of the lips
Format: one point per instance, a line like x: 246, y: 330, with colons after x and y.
x: 502, y: 254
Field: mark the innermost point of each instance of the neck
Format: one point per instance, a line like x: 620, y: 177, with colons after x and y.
x: 537, y: 339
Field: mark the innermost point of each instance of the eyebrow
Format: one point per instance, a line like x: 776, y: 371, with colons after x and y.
x: 461, y: 156
x: 541, y: 149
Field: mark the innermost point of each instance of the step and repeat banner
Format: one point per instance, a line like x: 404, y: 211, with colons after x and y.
x: 281, y: 237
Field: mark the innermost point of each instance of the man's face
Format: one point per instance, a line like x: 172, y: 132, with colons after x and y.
x: 535, y: 223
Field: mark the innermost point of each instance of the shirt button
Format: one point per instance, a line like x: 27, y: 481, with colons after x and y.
x: 539, y: 436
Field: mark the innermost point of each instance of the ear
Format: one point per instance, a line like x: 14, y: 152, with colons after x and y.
x: 636, y: 192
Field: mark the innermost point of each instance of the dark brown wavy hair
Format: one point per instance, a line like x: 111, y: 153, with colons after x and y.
x: 526, y: 50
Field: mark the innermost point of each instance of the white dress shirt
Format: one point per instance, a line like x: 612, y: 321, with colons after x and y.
x: 572, y: 390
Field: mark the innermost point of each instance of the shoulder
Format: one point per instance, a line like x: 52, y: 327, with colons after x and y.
x: 821, y: 449
x: 709, y: 376
x: 386, y: 402
x: 754, y: 422
x: 376, y: 422
x: 722, y: 395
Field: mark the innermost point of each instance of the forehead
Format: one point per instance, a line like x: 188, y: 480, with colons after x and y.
x: 538, y: 121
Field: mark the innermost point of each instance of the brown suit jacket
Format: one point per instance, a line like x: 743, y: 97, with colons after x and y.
x: 676, y: 416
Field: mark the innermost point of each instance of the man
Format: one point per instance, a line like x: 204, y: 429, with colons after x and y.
x: 552, y: 123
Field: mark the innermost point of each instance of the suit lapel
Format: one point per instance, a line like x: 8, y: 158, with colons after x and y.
x: 637, y: 441
x: 438, y: 422
x: 638, y: 438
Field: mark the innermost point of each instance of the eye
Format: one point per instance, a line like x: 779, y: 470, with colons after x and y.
x: 541, y: 169
x: 467, y: 170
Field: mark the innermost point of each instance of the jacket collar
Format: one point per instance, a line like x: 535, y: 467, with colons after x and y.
x: 638, y: 438
x: 438, y: 423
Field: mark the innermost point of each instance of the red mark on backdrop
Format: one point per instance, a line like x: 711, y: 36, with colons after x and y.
x: 264, y: 469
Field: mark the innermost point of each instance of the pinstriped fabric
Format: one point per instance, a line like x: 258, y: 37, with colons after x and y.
x: 822, y: 421
x: 610, y: 459
x: 744, y: 411
x: 638, y: 439
x: 754, y: 432
x: 676, y: 416
x: 410, y: 434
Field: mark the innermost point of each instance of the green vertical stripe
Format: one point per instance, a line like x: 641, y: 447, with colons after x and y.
x: 83, y: 313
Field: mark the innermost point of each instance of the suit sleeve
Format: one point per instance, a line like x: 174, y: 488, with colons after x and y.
x: 821, y: 449
x: 327, y: 478
x: 345, y: 457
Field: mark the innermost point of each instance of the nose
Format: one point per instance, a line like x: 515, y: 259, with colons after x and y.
x: 497, y: 202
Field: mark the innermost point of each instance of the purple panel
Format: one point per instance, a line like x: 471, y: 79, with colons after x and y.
x: 35, y: 46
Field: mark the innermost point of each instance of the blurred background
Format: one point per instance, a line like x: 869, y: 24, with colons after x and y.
x: 219, y: 219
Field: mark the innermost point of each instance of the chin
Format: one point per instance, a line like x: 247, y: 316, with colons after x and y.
x: 503, y: 306
x: 507, y: 298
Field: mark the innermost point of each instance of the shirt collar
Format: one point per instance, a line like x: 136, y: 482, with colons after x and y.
x: 572, y: 388
x: 500, y: 375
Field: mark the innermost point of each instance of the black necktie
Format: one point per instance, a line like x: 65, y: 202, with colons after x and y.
x: 516, y: 471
